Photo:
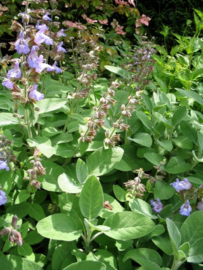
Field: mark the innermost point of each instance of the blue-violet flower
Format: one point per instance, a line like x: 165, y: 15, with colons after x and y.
x: 8, y: 83
x: 3, y: 198
x: 41, y: 37
x: 46, y: 17
x: 157, y: 205
x: 33, y: 58
x: 34, y: 94
x: 15, y: 72
x: 181, y: 185
x: 60, y: 48
x: 54, y: 68
x: 21, y: 44
x: 4, y: 165
x: 185, y: 209
x: 61, y: 33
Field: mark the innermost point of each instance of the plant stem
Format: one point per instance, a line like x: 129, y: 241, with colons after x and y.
x: 28, y: 123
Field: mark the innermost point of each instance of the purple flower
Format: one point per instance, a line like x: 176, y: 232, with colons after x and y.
x: 200, y: 205
x: 34, y: 94
x: 15, y: 72
x: 185, y: 209
x: 33, y: 59
x: 60, y: 48
x: 4, y: 165
x: 181, y: 185
x: 41, y: 66
x: 3, y: 198
x: 46, y: 17
x: 157, y: 205
x: 54, y: 68
x: 7, y: 83
x: 41, y: 37
x: 38, y: 26
x: 61, y: 33
x: 21, y: 44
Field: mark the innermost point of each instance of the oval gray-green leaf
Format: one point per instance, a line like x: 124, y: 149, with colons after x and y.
x: 91, y: 198
x: 89, y: 265
x: 145, y: 257
x: 128, y: 225
x: 15, y: 262
x: 103, y: 160
x: 50, y: 104
x: 60, y: 227
x: 67, y: 184
x: 142, y: 139
x: 191, y: 230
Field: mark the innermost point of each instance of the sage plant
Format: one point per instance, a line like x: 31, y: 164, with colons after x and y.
x: 36, y: 46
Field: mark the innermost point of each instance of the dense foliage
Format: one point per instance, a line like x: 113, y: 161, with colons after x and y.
x: 101, y: 141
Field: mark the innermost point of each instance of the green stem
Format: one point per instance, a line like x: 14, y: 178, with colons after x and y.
x: 28, y: 123
x: 176, y: 264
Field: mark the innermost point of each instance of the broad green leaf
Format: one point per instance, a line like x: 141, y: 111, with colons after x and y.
x: 16, y: 262
x: 144, y: 119
x: 191, y: 94
x: 197, y: 73
x: 24, y: 250
x: 145, y: 257
x: 69, y: 203
x: 33, y: 238
x: 141, y: 207
x: 64, y: 150
x: 163, y: 242
x: 130, y: 161
x: 142, y: 139
x: 163, y: 190
x: 183, y: 142
x: 50, y: 104
x: 167, y: 145
x: 191, y: 230
x: 22, y: 196
x: 50, y: 178
x: 106, y: 258
x: 174, y: 235
x: 91, y: 198
x: 154, y: 158
x: 188, y: 131
x: 81, y: 170
x: 60, y: 227
x: 89, y: 265
x: 43, y: 144
x: 127, y: 225
x: 36, y: 212
x: 50, y: 131
x: 62, y: 252
x: 68, y: 184
x: 119, y: 193
x: 7, y: 119
x: 167, y: 211
x: 114, y: 204
x: 123, y: 245
x: 21, y: 209
x: 119, y: 71
x: 196, y: 252
x: 147, y: 102
x: 185, y: 248
x: 103, y: 160
x: 177, y: 165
